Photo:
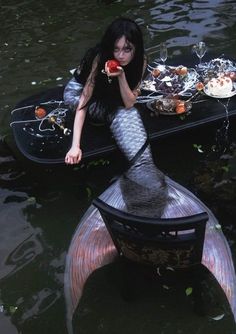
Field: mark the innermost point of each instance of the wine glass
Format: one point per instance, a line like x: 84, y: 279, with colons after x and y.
x: 200, y: 50
x: 163, y: 52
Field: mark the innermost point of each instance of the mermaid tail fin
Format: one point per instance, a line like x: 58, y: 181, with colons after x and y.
x: 91, y: 248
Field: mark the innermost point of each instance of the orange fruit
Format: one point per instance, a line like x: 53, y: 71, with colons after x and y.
x: 156, y: 72
x: 40, y: 112
x: 199, y: 86
x: 181, y: 70
x: 180, y: 108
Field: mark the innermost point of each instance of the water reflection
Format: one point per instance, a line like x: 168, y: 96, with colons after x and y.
x: 19, y: 242
x: 152, y: 305
x: 37, y: 304
x: 6, y: 326
x: 31, y: 265
x: 185, y: 23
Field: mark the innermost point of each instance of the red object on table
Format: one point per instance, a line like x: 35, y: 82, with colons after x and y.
x: 112, y: 65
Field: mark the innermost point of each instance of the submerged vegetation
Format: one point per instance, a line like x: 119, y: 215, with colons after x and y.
x: 215, y: 182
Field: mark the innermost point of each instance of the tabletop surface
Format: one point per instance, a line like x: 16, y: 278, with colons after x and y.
x: 97, y: 140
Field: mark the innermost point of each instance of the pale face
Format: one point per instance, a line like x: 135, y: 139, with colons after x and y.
x: 123, y: 51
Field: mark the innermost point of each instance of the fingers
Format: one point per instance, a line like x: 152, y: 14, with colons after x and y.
x: 106, y: 68
x: 113, y: 74
x: 71, y: 159
x: 108, y: 73
x: 120, y: 68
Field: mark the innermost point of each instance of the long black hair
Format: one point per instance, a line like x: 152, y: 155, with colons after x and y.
x: 103, y: 91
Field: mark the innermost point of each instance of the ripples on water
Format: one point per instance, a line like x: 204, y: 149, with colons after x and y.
x: 40, y: 41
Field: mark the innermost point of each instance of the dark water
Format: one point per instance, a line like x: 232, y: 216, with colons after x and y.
x: 40, y: 41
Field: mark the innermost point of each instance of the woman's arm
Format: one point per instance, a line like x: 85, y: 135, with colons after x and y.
x: 74, y: 155
x: 128, y: 96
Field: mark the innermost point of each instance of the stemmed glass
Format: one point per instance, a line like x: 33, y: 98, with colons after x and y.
x: 200, y: 50
x: 163, y: 52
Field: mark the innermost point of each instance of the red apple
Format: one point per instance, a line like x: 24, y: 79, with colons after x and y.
x: 112, y: 65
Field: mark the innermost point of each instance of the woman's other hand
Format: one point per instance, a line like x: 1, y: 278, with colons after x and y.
x: 73, y: 156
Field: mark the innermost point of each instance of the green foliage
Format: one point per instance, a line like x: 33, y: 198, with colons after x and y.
x: 215, y: 180
x: 99, y: 162
x: 189, y: 291
x: 198, y: 148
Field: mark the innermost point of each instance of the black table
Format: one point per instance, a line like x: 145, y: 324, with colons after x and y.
x: 97, y: 140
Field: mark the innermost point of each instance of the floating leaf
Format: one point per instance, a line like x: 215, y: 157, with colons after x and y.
x: 31, y: 200
x: 170, y: 268
x: 89, y: 192
x: 218, y: 317
x: 213, y: 148
x: 105, y: 162
x: 166, y: 287
x: 189, y: 291
x: 225, y: 168
x: 198, y: 148
x: 46, y: 80
x: 12, y: 309
x: 76, y: 168
x: 69, y: 38
x: 158, y: 271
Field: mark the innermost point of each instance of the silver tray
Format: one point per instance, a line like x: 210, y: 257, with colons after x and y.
x: 166, y: 113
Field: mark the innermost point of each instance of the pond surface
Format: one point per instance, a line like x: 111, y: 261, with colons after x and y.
x: 40, y: 41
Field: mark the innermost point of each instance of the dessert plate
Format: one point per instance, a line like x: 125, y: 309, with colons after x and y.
x: 169, y: 82
x: 225, y: 96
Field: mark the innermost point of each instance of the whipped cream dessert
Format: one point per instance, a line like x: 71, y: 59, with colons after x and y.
x: 221, y: 86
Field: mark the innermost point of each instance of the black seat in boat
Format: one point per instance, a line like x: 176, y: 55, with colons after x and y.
x: 174, y: 242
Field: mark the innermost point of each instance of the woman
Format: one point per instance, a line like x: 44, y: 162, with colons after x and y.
x: 111, y: 97
x: 101, y: 95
